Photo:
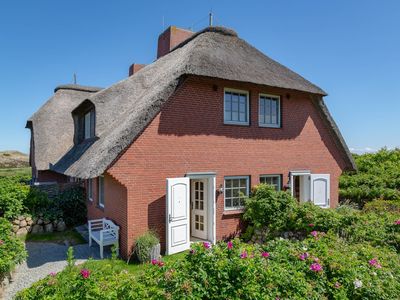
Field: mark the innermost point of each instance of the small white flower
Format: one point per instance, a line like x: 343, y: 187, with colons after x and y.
x: 357, y: 284
x: 374, y: 273
x: 305, y: 248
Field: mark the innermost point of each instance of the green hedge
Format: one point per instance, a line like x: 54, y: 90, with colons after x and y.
x: 12, y: 250
x: 376, y: 226
x: 18, y: 197
x: 377, y: 177
x: 322, y: 267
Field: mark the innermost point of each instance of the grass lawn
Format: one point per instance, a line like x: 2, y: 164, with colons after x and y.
x: 133, y: 267
x: 15, y: 171
x: 73, y: 237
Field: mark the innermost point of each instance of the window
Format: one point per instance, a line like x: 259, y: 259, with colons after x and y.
x: 236, y: 190
x: 90, y: 189
x: 274, y: 180
x: 87, y: 125
x: 236, y: 107
x: 269, y: 111
x: 101, y: 191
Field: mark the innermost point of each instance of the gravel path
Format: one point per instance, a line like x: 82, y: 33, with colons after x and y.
x: 44, y: 258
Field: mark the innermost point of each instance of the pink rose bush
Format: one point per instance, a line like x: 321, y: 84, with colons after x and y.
x: 207, y: 245
x: 397, y: 222
x: 265, y: 254
x: 316, y: 267
x: 374, y: 263
x: 85, y: 273
x: 230, y: 245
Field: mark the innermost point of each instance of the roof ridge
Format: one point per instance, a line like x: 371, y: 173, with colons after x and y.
x: 215, y: 29
x: 77, y: 87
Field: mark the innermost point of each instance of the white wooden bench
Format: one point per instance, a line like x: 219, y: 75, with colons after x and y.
x: 104, y: 232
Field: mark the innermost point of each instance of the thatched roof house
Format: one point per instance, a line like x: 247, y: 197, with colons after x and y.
x: 124, y: 109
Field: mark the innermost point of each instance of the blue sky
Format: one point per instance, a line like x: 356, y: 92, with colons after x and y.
x: 349, y: 48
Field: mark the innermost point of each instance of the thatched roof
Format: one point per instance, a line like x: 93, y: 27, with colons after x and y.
x: 52, y: 125
x: 124, y: 109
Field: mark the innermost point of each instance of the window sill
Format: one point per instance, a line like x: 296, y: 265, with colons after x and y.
x: 270, y: 126
x: 100, y: 207
x: 233, y: 212
x: 237, y: 124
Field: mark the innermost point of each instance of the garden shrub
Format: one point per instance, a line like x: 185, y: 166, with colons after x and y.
x: 269, y: 208
x: 144, y: 244
x: 72, y: 204
x: 383, y: 206
x: 37, y: 202
x: 377, y: 177
x: 12, y: 250
x: 323, y: 266
x: 13, y: 192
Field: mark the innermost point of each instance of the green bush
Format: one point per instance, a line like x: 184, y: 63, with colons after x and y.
x: 37, y: 202
x: 383, y: 206
x: 12, y: 250
x: 378, y: 177
x: 72, y: 204
x: 269, y: 208
x: 13, y: 192
x: 93, y: 280
x: 322, y: 267
x: 144, y: 244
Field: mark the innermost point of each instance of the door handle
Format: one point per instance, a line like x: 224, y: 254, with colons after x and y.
x: 169, y: 218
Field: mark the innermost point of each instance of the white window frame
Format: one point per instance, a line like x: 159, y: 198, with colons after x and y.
x: 247, y: 188
x: 90, y: 189
x: 87, y: 125
x: 246, y: 123
x: 272, y: 176
x: 101, y: 193
x: 276, y: 97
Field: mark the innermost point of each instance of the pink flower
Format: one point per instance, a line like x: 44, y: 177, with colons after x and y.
x: 85, y: 273
x: 230, y: 245
x: 207, y: 245
x: 265, y: 254
x: 192, y: 251
x: 243, y: 254
x: 314, y: 233
x: 53, y: 274
x: 315, y: 259
x: 374, y: 262
x: 160, y: 263
x: 1, y: 242
x: 337, y: 285
x: 154, y: 262
x: 316, y: 267
x: 303, y: 256
x: 397, y: 222
x: 311, y: 225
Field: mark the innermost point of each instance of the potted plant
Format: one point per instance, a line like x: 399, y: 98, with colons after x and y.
x: 147, y: 247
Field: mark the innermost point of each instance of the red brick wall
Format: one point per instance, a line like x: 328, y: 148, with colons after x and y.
x: 115, y: 207
x: 188, y: 135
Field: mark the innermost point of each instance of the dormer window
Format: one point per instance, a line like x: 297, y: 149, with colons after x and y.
x: 85, y: 121
x: 88, y: 125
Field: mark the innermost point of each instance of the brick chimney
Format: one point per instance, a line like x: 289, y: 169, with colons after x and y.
x: 134, y: 68
x: 171, y: 37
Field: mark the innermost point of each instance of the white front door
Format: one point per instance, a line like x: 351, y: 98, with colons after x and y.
x: 320, y: 189
x: 199, y: 208
x: 178, y: 214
